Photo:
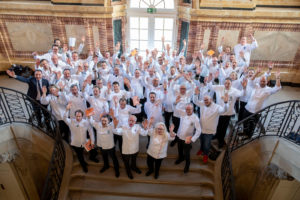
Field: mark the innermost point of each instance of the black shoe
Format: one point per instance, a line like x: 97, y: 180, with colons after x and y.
x: 178, y: 161
x: 148, y: 173
x: 172, y: 144
x: 156, y: 176
x: 130, y: 176
x: 186, y: 169
x: 85, y: 169
x: 137, y: 170
x: 117, y: 174
x: 94, y: 160
x: 103, y: 169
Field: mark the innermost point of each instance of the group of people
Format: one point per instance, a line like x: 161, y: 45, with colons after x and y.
x: 164, y: 95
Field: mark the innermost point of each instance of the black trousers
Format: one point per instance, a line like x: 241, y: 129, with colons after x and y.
x: 184, y: 152
x: 242, y: 110
x: 79, y: 153
x: 222, y: 128
x: 40, y: 114
x: 64, y: 130
x: 112, y: 153
x: 119, y: 139
x: 129, y: 162
x: 176, y: 122
x: 154, y: 164
x: 168, y: 117
x: 250, y: 124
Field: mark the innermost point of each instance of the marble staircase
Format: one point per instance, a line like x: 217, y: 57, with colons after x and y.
x: 172, y: 183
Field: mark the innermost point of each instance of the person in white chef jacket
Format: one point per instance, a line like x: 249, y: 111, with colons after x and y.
x: 158, y: 147
x: 79, y: 128
x: 189, y: 130
x: 130, y: 147
x: 105, y: 141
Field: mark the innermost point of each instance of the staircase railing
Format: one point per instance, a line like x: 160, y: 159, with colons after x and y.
x: 280, y: 119
x: 18, y: 107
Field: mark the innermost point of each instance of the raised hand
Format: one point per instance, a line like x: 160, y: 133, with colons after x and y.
x: 83, y: 39
x: 135, y: 100
x: 270, y: 65
x: 225, y: 97
x: 197, y: 91
x: 111, y: 112
x: 244, y: 83
x: 145, y: 124
x: 69, y: 106
x: 277, y: 75
x: 44, y: 89
x: 178, y: 98
x: 10, y: 73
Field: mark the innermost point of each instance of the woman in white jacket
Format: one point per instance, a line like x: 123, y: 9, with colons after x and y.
x: 157, y: 149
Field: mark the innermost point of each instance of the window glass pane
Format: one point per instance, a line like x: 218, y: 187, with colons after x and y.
x: 168, y: 23
x: 159, y: 23
x: 158, y: 45
x: 134, y: 44
x: 143, y: 45
x: 143, y: 4
x: 168, y: 35
x: 169, y: 4
x: 134, y: 3
x: 143, y: 34
x: 160, y: 4
x: 134, y: 22
x: 158, y: 34
x: 134, y: 34
x: 144, y: 23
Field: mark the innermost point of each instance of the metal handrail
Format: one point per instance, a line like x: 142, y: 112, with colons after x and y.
x: 20, y: 108
x: 279, y: 119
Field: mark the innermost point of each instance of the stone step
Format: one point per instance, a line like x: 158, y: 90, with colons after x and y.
x: 96, y: 196
x: 167, y: 164
x: 130, y: 188
x: 165, y: 177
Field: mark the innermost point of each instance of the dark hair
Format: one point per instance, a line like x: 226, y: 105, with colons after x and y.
x: 66, y: 69
x: 152, y: 93
x: 56, y: 39
x: 228, y: 79
x: 73, y: 85
x: 43, y: 60
x: 54, y: 45
x: 116, y: 83
x: 79, y: 111
x: 38, y: 70
x: 122, y: 99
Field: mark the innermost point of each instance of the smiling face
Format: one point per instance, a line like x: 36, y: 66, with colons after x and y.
x: 152, y: 98
x: 263, y: 82
x: 189, y: 109
x: 207, y: 100
x: 38, y: 75
x: 160, y: 129
x: 227, y: 84
x: 104, y: 121
x: 78, y: 116
x: 131, y: 120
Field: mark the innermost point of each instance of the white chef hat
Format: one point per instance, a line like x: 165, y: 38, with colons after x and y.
x: 72, y: 42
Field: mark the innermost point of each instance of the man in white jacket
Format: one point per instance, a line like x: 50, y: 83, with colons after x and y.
x: 209, y: 117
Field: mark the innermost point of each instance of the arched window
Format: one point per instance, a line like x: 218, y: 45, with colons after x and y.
x: 163, y: 4
x: 145, y: 30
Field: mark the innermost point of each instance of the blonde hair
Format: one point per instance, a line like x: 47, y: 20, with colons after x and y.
x: 165, y: 130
